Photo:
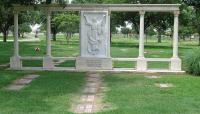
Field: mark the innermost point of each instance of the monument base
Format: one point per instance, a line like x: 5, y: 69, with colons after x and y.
x: 89, y: 63
x: 15, y: 62
x: 48, y: 63
x: 141, y: 64
x: 175, y: 64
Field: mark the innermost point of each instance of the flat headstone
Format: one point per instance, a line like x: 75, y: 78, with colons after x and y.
x: 22, y: 81
x: 93, y: 80
x: 166, y: 85
x: 88, y: 98
x: 152, y: 77
x: 31, y: 76
x: 94, y: 75
x: 14, y: 87
x: 124, y: 50
x: 90, y: 90
x: 92, y: 84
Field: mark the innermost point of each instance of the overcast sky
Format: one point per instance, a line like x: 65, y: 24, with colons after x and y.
x: 70, y: 1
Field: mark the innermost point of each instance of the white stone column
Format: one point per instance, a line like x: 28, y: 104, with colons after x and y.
x: 15, y: 62
x: 141, y: 40
x: 48, y: 61
x: 109, y: 34
x: 175, y: 60
x: 141, y: 62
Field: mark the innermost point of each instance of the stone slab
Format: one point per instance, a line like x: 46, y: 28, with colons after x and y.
x: 31, y: 76
x: 14, y: 87
x: 152, y: 77
x: 88, y: 98
x: 94, y: 33
x: 83, y: 63
x: 90, y: 90
x: 165, y: 85
x: 22, y: 81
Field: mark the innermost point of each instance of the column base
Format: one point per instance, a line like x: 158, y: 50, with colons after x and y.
x: 175, y: 64
x: 15, y: 62
x: 48, y: 63
x: 89, y: 63
x: 141, y: 64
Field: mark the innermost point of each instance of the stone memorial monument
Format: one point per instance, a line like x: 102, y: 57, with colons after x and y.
x: 95, y: 38
x: 94, y: 41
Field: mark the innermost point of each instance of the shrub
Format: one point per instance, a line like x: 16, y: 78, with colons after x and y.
x: 192, y: 62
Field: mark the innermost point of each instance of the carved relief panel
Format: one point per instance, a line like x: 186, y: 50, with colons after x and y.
x: 94, y: 34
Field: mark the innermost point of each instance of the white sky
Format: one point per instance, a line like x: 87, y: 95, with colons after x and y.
x: 70, y: 1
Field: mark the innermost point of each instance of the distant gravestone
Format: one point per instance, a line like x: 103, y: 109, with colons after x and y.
x: 95, y: 41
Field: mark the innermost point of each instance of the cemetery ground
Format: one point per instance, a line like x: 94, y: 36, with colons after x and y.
x: 126, y: 93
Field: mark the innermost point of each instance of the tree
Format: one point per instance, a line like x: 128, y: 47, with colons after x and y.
x: 162, y: 23
x: 6, y: 18
x: 24, y: 28
x: 196, y: 18
x: 125, y: 31
x: 55, y: 24
x: 67, y: 23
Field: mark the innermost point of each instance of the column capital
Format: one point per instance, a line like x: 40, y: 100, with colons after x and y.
x: 176, y: 13
x: 47, y: 11
x: 142, y: 12
x: 16, y: 12
x: 109, y: 12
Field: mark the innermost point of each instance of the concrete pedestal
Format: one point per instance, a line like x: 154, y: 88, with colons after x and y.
x: 175, y: 64
x: 15, y: 62
x: 89, y: 63
x: 141, y: 64
x: 48, y: 63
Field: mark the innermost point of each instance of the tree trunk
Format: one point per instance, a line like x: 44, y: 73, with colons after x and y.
x: 5, y: 35
x: 54, y: 36
x: 68, y: 37
x: 110, y: 38
x: 22, y: 35
x: 146, y: 37
x: 159, y: 37
x: 199, y: 38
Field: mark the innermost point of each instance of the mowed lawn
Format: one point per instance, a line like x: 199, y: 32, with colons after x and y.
x: 136, y: 94
x: 53, y: 92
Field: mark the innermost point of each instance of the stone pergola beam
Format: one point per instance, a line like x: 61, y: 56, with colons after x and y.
x: 108, y: 7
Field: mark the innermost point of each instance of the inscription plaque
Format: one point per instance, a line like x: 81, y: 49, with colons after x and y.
x: 94, y: 63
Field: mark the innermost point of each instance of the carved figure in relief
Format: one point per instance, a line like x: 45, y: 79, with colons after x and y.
x: 95, y: 33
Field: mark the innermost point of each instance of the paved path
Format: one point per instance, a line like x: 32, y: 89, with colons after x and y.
x: 90, y: 101
x: 21, y: 83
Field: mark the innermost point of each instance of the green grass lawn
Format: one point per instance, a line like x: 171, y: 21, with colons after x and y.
x: 135, y: 94
x: 52, y: 92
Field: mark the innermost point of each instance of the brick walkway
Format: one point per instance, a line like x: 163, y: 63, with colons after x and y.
x: 21, y: 83
x: 90, y: 101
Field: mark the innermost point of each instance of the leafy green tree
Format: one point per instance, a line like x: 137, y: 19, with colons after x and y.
x: 24, y: 28
x: 6, y: 18
x: 67, y: 23
x: 126, y: 31
x: 196, y: 14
